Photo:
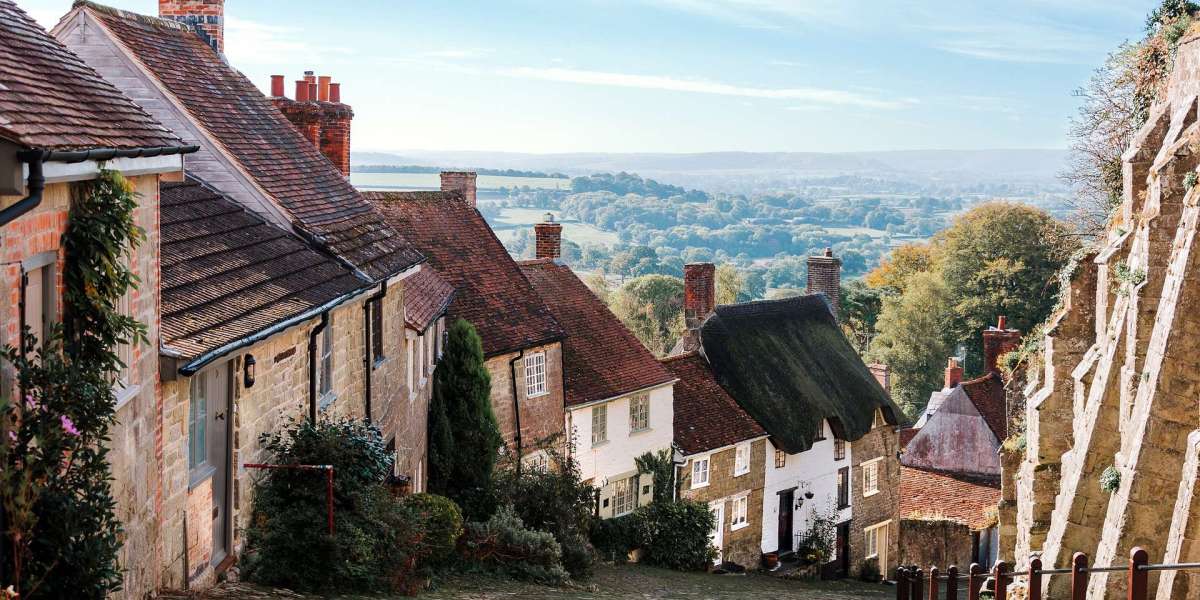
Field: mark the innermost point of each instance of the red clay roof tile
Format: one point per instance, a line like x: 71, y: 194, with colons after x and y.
x: 706, y: 416
x: 426, y: 296
x: 932, y: 494
x: 987, y: 394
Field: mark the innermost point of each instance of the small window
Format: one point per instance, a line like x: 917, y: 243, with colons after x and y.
x: 198, y: 423
x: 639, y: 413
x: 125, y: 351
x: 376, y: 308
x: 871, y: 535
x: 535, y: 375
x: 839, y: 449
x: 599, y: 424
x: 870, y: 471
x: 737, y: 513
x: 420, y: 364
x: 741, y: 460
x: 699, y: 472
x: 410, y: 355
x: 326, y: 375
x: 780, y: 459
x: 41, y: 296
x: 624, y: 496
x: 843, y: 487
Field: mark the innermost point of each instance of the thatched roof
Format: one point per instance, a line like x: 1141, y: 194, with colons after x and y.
x: 789, y: 365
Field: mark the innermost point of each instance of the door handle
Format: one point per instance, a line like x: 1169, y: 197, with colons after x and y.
x: 219, y: 416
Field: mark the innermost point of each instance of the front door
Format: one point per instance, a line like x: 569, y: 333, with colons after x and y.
x: 843, y: 549
x: 218, y: 391
x: 718, y: 533
x: 786, y: 500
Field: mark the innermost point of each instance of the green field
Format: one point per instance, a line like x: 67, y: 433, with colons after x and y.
x: 431, y: 181
x: 513, y: 220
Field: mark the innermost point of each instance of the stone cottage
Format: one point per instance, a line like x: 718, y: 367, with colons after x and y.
x: 60, y: 122
x: 618, y: 397
x: 284, y: 292
x: 522, y: 342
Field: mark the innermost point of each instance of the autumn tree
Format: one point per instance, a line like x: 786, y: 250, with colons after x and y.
x: 651, y: 306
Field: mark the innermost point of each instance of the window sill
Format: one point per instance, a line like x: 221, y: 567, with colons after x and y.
x: 737, y: 474
x: 599, y: 444
x: 699, y: 486
x: 633, y: 432
x: 870, y: 493
x: 326, y: 400
x: 741, y: 525
x: 537, y: 395
x: 199, y: 475
x: 843, y: 506
x: 379, y: 362
x: 125, y: 394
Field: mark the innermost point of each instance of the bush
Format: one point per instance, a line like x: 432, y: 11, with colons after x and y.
x: 439, y: 523
x: 869, y: 570
x: 553, y: 500
x: 504, y: 545
x: 615, y: 538
x: 675, y: 535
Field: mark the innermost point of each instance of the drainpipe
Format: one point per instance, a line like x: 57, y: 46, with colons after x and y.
x: 312, y: 366
x: 512, y: 369
x: 367, y: 362
x: 36, y: 185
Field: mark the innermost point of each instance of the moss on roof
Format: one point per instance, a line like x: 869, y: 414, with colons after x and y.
x: 789, y: 365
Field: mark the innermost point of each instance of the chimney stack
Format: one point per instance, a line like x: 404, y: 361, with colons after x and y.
x: 207, y: 17
x: 825, y: 277
x: 548, y: 238
x: 883, y: 374
x: 699, y: 293
x: 998, y: 341
x: 318, y: 114
x: 954, y: 374
x: 462, y: 182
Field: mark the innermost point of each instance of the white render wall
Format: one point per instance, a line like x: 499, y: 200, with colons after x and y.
x: 615, y: 457
x: 813, y: 470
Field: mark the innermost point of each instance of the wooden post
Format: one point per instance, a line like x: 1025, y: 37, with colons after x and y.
x: 1079, y: 576
x: 1001, y: 574
x: 933, y: 583
x: 1035, y: 579
x: 952, y: 583
x: 902, y: 583
x: 916, y: 584
x: 974, y: 581
x: 1138, y: 578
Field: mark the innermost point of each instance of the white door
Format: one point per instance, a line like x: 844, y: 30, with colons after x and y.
x: 718, y: 534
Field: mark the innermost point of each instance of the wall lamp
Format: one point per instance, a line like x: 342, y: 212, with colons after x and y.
x: 248, y: 371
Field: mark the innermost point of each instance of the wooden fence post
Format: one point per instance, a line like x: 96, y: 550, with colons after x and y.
x: 1138, y: 578
x: 1001, y: 574
x: 1079, y: 576
x: 902, y: 583
x: 1035, y: 579
x: 974, y: 582
x: 933, y: 583
x: 952, y: 583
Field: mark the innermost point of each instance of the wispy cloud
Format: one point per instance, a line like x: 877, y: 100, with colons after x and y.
x: 824, y: 96
x: 256, y: 43
x: 1018, y: 42
x: 763, y: 14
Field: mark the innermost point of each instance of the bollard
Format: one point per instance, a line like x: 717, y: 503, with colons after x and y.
x: 1079, y: 576
x: 1138, y: 584
x: 1035, y: 579
x: 974, y: 581
x: 952, y: 583
x: 933, y: 583
x: 901, y: 583
x: 1001, y: 574
x: 916, y: 584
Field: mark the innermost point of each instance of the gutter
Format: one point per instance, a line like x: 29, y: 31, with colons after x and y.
x: 37, y: 180
x: 312, y: 366
x: 368, y: 347
x: 512, y: 370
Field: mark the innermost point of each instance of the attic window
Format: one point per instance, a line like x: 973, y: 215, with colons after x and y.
x: 741, y: 460
x: 699, y: 472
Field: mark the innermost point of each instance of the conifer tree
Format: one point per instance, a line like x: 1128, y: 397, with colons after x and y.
x: 463, y: 434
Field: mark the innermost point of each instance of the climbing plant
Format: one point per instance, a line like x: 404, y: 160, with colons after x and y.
x: 61, y: 530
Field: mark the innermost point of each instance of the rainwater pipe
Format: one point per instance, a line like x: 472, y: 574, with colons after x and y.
x: 312, y: 365
x: 512, y: 369
x: 368, y: 347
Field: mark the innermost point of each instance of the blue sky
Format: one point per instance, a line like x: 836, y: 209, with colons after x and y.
x: 684, y: 75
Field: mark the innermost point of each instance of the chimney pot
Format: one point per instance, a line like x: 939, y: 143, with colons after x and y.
x: 1000, y: 325
x: 954, y: 374
x: 462, y: 182
x: 825, y: 277
x: 335, y: 92
x: 312, y: 92
x: 699, y: 293
x: 277, y: 86
x: 301, y: 91
x: 323, y: 88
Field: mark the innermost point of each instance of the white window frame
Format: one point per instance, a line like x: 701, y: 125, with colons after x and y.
x: 739, y: 510
x: 624, y: 496
x: 780, y: 459
x: 701, y: 468
x: 639, y: 413
x: 198, y: 424
x: 325, y: 365
x: 871, y: 541
x: 535, y: 375
x: 870, y: 476
x: 599, y: 424
x: 741, y: 460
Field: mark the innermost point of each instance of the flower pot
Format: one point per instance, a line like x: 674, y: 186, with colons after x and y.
x: 770, y: 560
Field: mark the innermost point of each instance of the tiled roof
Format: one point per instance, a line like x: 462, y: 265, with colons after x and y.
x: 227, y: 274
x: 252, y: 130
x: 490, y: 290
x: 706, y: 417
x: 936, y: 495
x: 601, y: 358
x: 987, y: 394
x: 50, y: 99
x: 426, y: 295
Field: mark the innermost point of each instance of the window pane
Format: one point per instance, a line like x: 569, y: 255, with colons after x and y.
x: 535, y: 374
x: 599, y: 424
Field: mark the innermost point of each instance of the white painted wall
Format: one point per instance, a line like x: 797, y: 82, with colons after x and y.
x: 615, y: 457
x: 813, y: 470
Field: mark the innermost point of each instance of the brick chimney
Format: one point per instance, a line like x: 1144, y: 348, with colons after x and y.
x: 460, y: 181
x: 319, y: 115
x: 883, y: 374
x: 825, y: 277
x: 954, y: 373
x: 207, y: 17
x: 699, y: 293
x: 998, y: 341
x: 548, y: 238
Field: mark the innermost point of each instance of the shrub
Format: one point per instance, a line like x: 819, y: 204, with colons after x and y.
x: 675, y: 535
x: 553, y: 500
x: 503, y: 544
x: 439, y: 522
x: 661, y: 465
x: 869, y: 570
x: 615, y: 538
x: 1110, y: 479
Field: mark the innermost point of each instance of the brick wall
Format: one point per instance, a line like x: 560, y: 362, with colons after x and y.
x: 877, y: 508
x: 699, y: 292
x: 207, y: 16
x: 542, y: 416
x: 548, y: 240
x: 825, y: 277
x: 742, y: 546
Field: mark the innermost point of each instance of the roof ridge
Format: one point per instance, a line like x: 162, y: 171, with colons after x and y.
x: 132, y: 16
x: 680, y: 356
x: 533, y: 262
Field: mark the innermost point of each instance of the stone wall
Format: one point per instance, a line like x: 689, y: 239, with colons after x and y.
x: 884, y: 506
x: 742, y: 545
x: 935, y: 542
x: 541, y: 417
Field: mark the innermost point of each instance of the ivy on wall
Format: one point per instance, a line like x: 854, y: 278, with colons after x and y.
x: 60, y: 530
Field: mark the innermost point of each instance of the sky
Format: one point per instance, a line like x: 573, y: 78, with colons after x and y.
x: 548, y: 76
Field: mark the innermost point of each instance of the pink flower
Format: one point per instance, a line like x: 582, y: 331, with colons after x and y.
x: 32, y: 402
x: 68, y: 425
x: 12, y: 435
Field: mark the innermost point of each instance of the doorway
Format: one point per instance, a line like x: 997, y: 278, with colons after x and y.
x: 787, y: 500
x: 842, y: 547
x: 718, y: 533
x: 210, y: 433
